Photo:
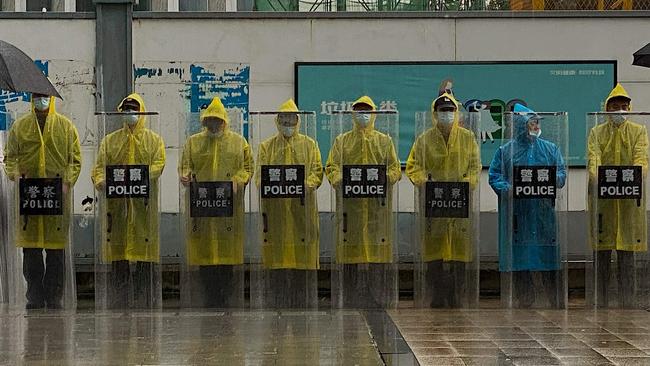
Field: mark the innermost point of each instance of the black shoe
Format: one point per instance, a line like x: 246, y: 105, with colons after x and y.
x: 56, y: 305
x: 34, y: 306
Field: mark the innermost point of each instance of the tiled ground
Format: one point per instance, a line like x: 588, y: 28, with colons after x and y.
x: 437, y: 337
x: 201, y: 338
x: 526, y: 337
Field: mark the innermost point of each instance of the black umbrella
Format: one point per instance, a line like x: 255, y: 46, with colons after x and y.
x: 642, y: 57
x: 19, y: 73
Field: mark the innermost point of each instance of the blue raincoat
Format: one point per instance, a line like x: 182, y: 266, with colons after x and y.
x: 528, y: 239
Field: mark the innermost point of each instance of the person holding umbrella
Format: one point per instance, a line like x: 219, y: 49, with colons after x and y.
x: 44, y: 144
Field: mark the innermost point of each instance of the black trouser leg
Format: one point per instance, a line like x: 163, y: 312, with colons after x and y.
x: 118, y: 283
x: 34, y: 271
x: 219, y: 286
x: 379, y: 281
x: 227, y: 285
x: 602, y: 275
x: 350, y: 283
x: 523, y: 288
x: 277, y: 288
x: 145, y: 286
x: 458, y: 284
x: 626, y: 278
x: 209, y: 283
x: 552, y: 286
x: 271, y: 288
x: 436, y: 278
x: 54, y: 280
x: 302, y: 291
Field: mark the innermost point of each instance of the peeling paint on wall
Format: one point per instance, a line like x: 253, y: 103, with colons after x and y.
x: 178, y: 91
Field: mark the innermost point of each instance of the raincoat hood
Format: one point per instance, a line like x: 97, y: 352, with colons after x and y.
x: 217, y: 110
x: 522, y: 115
x: 287, y: 107
x: 365, y: 100
x: 434, y: 116
x: 617, y: 92
x: 137, y: 98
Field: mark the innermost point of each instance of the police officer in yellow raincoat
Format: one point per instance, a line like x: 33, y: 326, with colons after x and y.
x: 130, y: 226
x: 619, y: 224
x: 44, y: 144
x: 364, y: 235
x: 446, y: 152
x: 216, y: 244
x: 290, y: 246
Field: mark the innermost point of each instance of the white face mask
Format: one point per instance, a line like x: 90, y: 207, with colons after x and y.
x: 363, y: 119
x: 446, y: 117
x: 618, y: 119
x: 41, y: 104
x: 535, y: 133
x: 288, y: 131
x: 131, y: 119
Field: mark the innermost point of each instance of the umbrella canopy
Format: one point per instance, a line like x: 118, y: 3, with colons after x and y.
x: 19, y: 73
x: 642, y: 57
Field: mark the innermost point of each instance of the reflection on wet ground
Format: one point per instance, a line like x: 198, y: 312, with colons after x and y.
x: 436, y: 337
x: 187, y: 338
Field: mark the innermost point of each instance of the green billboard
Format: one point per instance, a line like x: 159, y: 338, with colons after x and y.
x: 576, y: 87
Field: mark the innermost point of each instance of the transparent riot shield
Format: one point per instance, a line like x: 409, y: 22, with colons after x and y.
x: 285, y: 261
x: 5, y: 195
x: 618, y: 274
x: 129, y: 161
x: 363, y: 169
x: 444, y: 165
x: 529, y: 175
x: 214, y: 167
x: 40, y: 167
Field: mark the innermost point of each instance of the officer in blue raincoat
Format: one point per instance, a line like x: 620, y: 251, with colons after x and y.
x: 528, y: 240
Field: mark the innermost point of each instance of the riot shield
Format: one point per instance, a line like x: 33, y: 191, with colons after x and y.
x: 41, y: 165
x: 126, y: 174
x: 529, y: 175
x: 362, y: 169
x: 445, y: 167
x: 5, y: 195
x: 283, y: 202
x: 214, y: 168
x: 618, y: 274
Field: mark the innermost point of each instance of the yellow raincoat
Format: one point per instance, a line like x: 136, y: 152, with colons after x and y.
x: 454, y: 160
x: 364, y: 225
x: 617, y: 223
x: 209, y: 158
x: 130, y: 226
x: 51, y: 153
x: 291, y: 238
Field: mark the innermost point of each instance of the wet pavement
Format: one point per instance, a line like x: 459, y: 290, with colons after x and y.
x: 187, y: 338
x: 526, y: 337
x: 396, y: 337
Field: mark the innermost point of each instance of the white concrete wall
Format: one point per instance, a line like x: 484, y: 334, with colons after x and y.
x: 271, y: 46
x: 51, y: 39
